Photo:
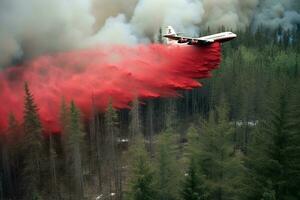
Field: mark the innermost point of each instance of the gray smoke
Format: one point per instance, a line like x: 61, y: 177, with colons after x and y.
x: 233, y: 14
x: 34, y: 27
x: 115, y: 30
x: 104, y: 9
x: 275, y: 13
x: 150, y: 15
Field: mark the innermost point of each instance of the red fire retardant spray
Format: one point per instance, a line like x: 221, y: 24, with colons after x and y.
x: 112, y: 73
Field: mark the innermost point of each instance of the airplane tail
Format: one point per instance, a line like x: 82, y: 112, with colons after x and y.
x: 170, y: 31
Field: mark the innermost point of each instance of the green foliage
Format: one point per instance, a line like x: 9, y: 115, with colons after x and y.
x: 64, y: 118
x: 31, y: 118
x: 293, y: 149
x: 113, y: 157
x: 193, y: 187
x: 142, y: 177
x: 268, y: 195
x: 11, y: 153
x: 274, y: 157
x: 213, y: 149
x: 76, y: 133
x: 74, y: 142
x: 167, y: 167
x: 32, y: 147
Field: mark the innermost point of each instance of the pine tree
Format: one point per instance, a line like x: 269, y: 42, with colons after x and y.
x: 273, y: 164
x: 113, y: 159
x: 293, y: 149
x: 167, y: 172
x: 218, y: 163
x: 11, y: 157
x: 193, y: 186
x: 95, y: 143
x: 268, y: 193
x: 53, y: 170
x: 64, y: 118
x: 74, y: 142
x: 32, y: 147
x: 14, y: 139
x: 142, y: 177
x: 64, y: 160
x: 5, y: 166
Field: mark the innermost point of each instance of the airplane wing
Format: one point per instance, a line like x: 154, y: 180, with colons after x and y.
x: 189, y: 40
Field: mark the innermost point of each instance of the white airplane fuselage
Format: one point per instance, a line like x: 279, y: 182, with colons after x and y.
x: 220, y: 37
x: 175, y: 39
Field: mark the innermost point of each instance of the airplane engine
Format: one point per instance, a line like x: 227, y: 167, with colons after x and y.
x: 182, y: 40
x: 192, y: 42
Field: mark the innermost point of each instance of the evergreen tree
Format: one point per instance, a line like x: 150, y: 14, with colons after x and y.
x: 142, y: 177
x: 5, y: 169
x: 74, y: 144
x: 113, y: 157
x: 32, y: 148
x: 268, y: 193
x: 218, y: 163
x: 193, y: 187
x: 95, y: 143
x: 167, y: 172
x: 11, y: 157
x: 65, y: 175
x: 293, y: 149
x: 64, y: 118
x: 54, y: 189
x: 273, y: 165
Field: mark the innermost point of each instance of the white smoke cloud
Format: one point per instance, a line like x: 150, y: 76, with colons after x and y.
x: 116, y: 30
x: 150, y: 15
x: 34, y: 27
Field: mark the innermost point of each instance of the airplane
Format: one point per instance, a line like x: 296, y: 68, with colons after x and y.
x: 174, y: 39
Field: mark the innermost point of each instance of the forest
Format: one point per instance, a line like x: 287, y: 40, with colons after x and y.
x: 237, y: 137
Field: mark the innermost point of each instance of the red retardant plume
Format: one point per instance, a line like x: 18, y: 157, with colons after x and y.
x: 115, y: 73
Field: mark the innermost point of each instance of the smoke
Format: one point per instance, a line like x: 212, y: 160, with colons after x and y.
x: 34, y: 27
x: 149, y: 16
x: 114, y: 31
x: 104, y: 9
x: 275, y: 13
x: 116, y: 73
x: 232, y: 14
